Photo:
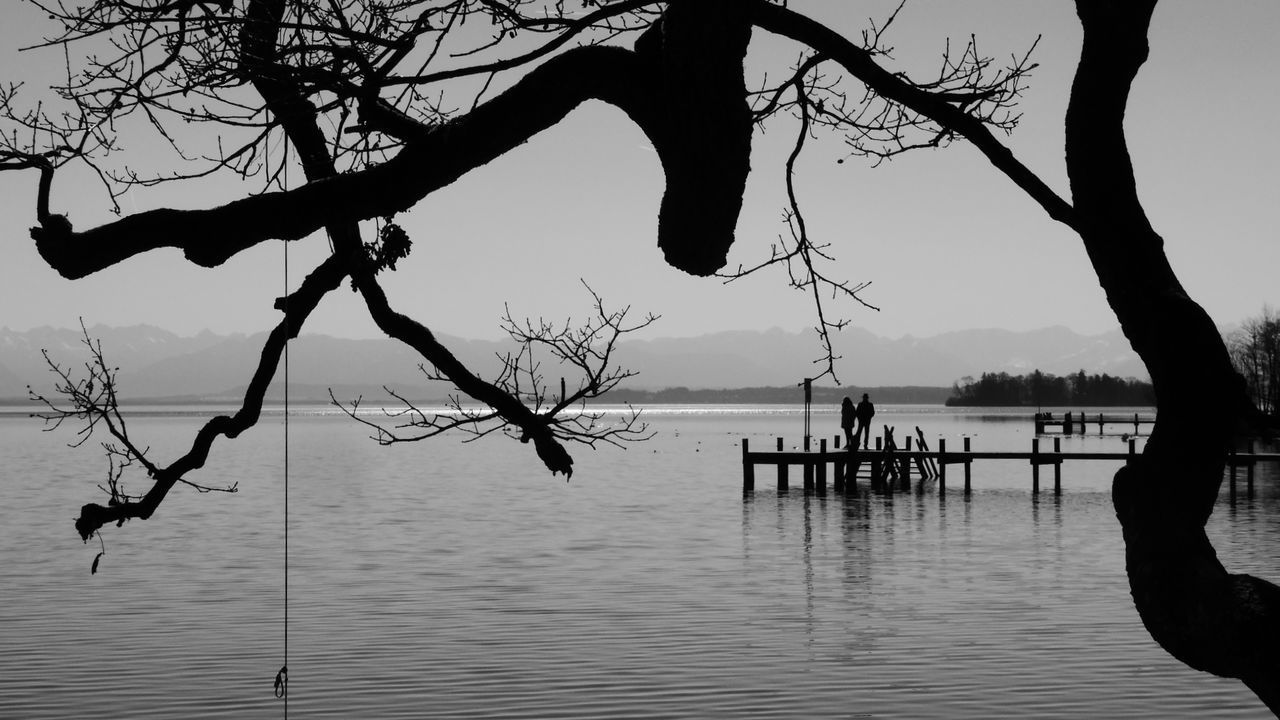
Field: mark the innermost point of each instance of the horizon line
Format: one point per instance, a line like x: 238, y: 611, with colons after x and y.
x: 770, y: 330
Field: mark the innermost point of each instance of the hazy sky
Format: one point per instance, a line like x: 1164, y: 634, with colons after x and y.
x: 947, y: 242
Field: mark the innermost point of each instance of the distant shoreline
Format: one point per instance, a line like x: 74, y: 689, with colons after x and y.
x: 668, y: 396
x: 311, y: 396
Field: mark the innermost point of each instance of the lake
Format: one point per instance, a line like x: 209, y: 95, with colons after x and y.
x: 451, y: 580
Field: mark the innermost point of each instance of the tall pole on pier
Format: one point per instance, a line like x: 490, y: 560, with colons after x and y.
x: 808, y: 402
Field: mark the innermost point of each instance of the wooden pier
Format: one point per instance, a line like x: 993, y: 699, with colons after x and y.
x: 1069, y: 423
x: 887, y: 465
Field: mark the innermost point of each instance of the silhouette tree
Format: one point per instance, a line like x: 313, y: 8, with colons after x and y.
x: 355, y: 86
x: 1212, y: 620
x: 1255, y: 350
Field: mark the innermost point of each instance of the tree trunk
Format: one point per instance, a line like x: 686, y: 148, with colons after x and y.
x: 1212, y: 620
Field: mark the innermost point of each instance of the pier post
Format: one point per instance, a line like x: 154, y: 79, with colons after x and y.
x: 782, y: 471
x: 1057, y: 466
x: 1039, y: 423
x: 1035, y: 465
x: 921, y: 467
x: 875, y: 464
x: 1249, y: 469
x: 748, y: 468
x: 852, y: 463
x: 1133, y: 450
x: 1100, y: 424
x: 933, y: 466
x: 1135, y: 423
x: 806, y: 469
x: 905, y: 465
x: 1068, y: 426
x: 942, y: 466
x: 1231, y: 460
x: 967, y: 463
x: 838, y: 466
x: 822, y: 466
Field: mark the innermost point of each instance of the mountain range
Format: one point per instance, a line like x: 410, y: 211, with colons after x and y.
x: 155, y: 363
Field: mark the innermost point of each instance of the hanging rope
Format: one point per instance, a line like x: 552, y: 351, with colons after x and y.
x: 282, y: 677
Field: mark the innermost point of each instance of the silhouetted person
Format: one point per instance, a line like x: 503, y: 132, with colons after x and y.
x: 847, y: 420
x: 864, y: 413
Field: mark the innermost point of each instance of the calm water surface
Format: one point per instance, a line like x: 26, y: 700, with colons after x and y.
x: 459, y: 581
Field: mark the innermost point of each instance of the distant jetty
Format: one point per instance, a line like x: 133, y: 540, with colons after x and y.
x: 1070, y: 423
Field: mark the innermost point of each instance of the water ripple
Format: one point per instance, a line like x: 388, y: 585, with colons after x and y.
x: 443, y: 582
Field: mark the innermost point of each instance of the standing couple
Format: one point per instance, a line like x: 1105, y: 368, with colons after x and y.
x: 861, y: 415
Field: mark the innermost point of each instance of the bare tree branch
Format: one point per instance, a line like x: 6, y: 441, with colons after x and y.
x: 807, y: 278
x: 951, y: 112
x: 441, y: 155
x: 585, y: 350
x: 324, y: 278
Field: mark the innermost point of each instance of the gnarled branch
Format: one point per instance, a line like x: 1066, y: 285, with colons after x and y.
x: 938, y: 107
x: 324, y: 278
x: 586, y: 350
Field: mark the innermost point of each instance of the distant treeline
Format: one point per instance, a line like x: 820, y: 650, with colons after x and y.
x: 1041, y: 389
x: 793, y: 395
x: 1255, y: 351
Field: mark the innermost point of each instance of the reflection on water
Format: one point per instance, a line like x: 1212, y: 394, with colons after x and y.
x: 458, y: 582
x: 1013, y: 608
